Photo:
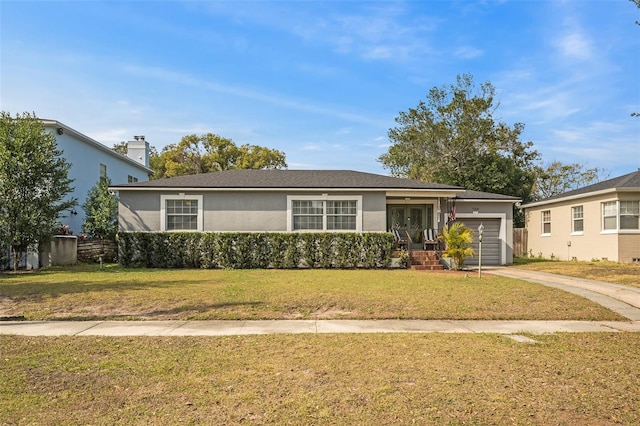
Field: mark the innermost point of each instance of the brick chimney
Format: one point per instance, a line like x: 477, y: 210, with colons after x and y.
x: 138, y: 150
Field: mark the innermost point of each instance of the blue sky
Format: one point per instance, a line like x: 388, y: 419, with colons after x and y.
x: 324, y: 81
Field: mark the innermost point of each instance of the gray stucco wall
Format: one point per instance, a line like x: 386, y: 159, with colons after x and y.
x: 139, y: 211
x: 241, y: 211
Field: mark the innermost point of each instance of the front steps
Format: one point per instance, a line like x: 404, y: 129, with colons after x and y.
x: 425, y: 260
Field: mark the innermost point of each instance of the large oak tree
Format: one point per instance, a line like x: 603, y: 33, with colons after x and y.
x: 454, y: 138
x: 209, y: 153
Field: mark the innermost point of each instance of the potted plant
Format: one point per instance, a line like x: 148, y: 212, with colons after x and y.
x: 457, y: 239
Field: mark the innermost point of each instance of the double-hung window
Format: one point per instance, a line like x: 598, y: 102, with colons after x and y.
x: 308, y: 215
x: 341, y: 215
x: 181, y: 213
x: 546, y: 222
x: 324, y: 213
x: 629, y: 215
x: 610, y: 216
x: 577, y: 216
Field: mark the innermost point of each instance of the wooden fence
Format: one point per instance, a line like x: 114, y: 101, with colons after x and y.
x: 91, y: 249
x: 520, y: 243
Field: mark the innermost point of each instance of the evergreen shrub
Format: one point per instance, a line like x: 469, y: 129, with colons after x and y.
x: 244, y: 250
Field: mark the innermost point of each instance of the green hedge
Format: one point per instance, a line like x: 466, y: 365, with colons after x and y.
x: 254, y: 250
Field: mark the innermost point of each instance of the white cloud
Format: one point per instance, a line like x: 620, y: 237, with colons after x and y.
x: 468, y: 52
x: 575, y: 46
x: 179, y: 78
x: 312, y: 147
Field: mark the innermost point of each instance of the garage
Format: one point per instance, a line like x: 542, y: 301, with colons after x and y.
x: 491, y: 243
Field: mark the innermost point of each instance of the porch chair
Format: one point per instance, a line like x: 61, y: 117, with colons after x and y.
x: 429, y: 239
x: 399, y: 240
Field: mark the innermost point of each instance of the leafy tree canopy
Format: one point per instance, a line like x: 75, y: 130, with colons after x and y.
x: 33, y: 183
x: 121, y: 148
x: 453, y: 138
x: 557, y: 178
x: 208, y: 153
x: 101, y: 209
x: 211, y: 153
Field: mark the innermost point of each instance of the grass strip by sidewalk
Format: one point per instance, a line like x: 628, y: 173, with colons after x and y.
x: 89, y: 293
x: 563, y: 379
x: 612, y: 272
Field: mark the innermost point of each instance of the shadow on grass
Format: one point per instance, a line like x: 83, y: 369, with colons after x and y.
x: 161, y: 313
x: 39, y: 291
x: 57, y: 281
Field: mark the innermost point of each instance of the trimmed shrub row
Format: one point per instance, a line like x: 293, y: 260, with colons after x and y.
x: 254, y: 250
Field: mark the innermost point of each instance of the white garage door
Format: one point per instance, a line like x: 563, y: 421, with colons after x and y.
x: 491, y: 244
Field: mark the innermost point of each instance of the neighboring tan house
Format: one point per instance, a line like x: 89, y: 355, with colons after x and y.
x: 312, y: 201
x: 90, y: 161
x: 597, y: 222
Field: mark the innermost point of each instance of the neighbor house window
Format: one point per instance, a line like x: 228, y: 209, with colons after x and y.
x: 181, y: 213
x: 610, y: 216
x: 131, y: 179
x: 103, y: 171
x: 324, y: 213
x: 546, y: 222
x: 577, y: 215
x: 629, y: 214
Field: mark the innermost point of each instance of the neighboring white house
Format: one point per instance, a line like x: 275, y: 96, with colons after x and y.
x: 90, y: 160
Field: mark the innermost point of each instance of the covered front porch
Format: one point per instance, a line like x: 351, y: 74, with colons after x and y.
x: 416, y: 224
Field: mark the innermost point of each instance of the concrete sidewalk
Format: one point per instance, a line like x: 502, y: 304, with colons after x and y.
x: 228, y: 328
x: 621, y: 299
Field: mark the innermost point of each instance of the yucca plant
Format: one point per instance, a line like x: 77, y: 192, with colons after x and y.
x: 457, y: 239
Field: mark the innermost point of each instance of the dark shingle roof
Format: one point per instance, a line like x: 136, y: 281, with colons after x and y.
x: 630, y: 181
x: 479, y: 195
x: 275, y: 179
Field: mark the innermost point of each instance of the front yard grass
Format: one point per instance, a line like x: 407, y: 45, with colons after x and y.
x: 428, y: 379
x: 613, y: 272
x: 86, y: 292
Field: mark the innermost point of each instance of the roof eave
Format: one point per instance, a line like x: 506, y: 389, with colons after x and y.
x: 389, y: 191
x: 576, y: 197
x: 490, y: 200
x: 96, y: 144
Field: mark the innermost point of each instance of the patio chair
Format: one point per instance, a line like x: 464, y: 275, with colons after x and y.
x: 429, y: 239
x: 399, y: 239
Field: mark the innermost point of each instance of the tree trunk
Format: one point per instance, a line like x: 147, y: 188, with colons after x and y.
x: 15, y: 258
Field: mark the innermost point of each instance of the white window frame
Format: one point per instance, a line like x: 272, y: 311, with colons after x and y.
x: 635, y: 213
x: 324, y: 198
x: 603, y: 216
x: 163, y: 212
x: 575, y: 210
x: 543, y: 222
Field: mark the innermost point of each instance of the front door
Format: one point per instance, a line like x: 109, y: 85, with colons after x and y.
x: 412, y: 217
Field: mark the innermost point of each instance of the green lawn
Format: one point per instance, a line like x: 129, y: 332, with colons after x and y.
x: 613, y: 272
x: 361, y: 379
x: 426, y: 379
x: 88, y: 293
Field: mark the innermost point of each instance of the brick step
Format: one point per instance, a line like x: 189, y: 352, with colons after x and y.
x: 425, y: 261
x: 437, y: 267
